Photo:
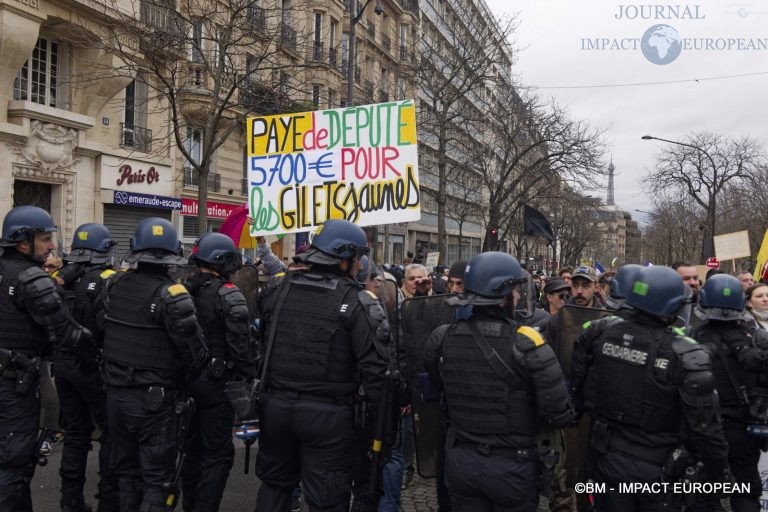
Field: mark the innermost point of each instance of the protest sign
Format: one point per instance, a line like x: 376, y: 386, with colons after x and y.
x: 358, y: 163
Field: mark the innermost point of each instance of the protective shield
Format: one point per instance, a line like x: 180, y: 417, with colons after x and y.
x: 570, y: 325
x: 247, y: 279
x: 421, y: 316
x: 571, y: 320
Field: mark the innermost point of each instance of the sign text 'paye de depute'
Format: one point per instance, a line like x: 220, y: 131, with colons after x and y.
x: 357, y: 163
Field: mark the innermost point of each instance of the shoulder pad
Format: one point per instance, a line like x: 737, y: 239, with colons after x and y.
x: 32, y: 274
x: 692, y: 355
x: 367, y: 298
x: 228, y: 288
x: 604, y: 322
x: 279, y: 274
x: 176, y: 289
x: 107, y: 273
x: 530, y: 338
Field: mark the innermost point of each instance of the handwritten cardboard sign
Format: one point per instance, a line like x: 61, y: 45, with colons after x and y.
x: 358, y: 163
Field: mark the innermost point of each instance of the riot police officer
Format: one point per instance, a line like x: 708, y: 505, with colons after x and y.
x: 738, y: 364
x: 78, y: 383
x: 34, y: 318
x: 319, y: 348
x: 152, y: 346
x: 223, y: 315
x: 500, y: 379
x: 644, y: 383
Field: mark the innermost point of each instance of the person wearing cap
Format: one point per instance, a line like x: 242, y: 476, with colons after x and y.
x: 153, y: 347
x: 456, y: 277
x: 584, y: 288
x: 319, y: 348
x: 556, y: 293
x: 33, y: 317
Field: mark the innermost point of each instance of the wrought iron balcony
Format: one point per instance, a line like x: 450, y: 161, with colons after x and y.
x: 288, y: 37
x: 136, y: 138
x: 386, y: 42
x: 257, y: 17
x: 192, y: 179
x: 317, y: 51
x: 403, y: 52
x: 332, y: 57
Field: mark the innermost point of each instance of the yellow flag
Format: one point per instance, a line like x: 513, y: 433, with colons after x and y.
x: 762, y: 257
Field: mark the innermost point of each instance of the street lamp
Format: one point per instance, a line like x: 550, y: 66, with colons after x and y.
x: 707, y: 248
x: 668, y: 229
x: 354, y: 19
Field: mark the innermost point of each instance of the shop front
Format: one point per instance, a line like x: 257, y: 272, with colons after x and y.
x: 132, y: 190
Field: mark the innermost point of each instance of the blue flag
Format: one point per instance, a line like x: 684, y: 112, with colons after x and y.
x: 598, y: 268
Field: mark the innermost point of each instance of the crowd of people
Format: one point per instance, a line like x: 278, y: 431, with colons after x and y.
x: 507, y: 386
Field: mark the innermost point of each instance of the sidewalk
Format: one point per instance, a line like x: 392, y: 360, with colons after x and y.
x: 420, y: 496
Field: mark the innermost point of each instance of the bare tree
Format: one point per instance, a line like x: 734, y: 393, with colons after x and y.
x: 464, y: 187
x: 452, y: 74
x: 673, y: 232
x: 701, y: 166
x: 530, y: 143
x: 206, y: 66
x: 574, y: 221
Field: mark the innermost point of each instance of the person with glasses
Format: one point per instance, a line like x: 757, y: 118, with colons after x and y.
x: 556, y: 294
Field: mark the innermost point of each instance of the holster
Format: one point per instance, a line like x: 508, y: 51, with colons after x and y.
x: 600, y: 436
x: 22, y: 369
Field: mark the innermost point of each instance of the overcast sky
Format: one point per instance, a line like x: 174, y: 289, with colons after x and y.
x: 553, y: 33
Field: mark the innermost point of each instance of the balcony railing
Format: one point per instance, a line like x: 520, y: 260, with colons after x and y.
x: 386, y: 42
x: 135, y: 137
x: 196, y: 75
x: 368, y: 90
x: 288, y: 37
x: 257, y: 17
x: 167, y: 25
x: 317, y: 51
x: 371, y: 30
x: 403, y: 52
x: 192, y: 179
x: 383, y: 95
x: 332, y: 57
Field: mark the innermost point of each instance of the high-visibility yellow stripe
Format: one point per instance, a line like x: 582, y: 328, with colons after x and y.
x: 377, y: 445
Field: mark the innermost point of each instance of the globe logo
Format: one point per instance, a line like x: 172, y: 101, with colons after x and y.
x: 661, y: 44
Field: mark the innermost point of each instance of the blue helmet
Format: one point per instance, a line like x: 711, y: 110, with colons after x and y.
x: 334, y: 241
x: 21, y: 223
x: 658, y: 291
x: 156, y: 241
x: 721, y: 298
x: 218, y: 251
x: 91, y: 243
x: 492, y: 276
x: 620, y: 284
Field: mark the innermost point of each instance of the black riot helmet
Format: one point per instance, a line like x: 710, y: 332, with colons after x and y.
x: 368, y: 270
x: 334, y: 241
x: 216, y: 251
x: 155, y: 241
x: 21, y: 223
x: 491, y: 276
x: 91, y: 243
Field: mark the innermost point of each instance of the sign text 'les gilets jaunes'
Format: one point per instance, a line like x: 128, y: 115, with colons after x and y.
x: 358, y: 163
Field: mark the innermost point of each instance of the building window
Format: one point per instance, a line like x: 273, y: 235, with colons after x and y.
x: 331, y: 98
x: 134, y: 133
x: 196, y: 52
x: 316, y: 95
x: 193, y: 144
x: 39, y: 76
x: 401, y: 89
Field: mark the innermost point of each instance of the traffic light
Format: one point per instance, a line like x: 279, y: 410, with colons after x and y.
x: 493, y: 239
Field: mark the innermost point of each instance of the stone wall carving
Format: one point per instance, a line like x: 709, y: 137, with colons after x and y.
x: 50, y: 147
